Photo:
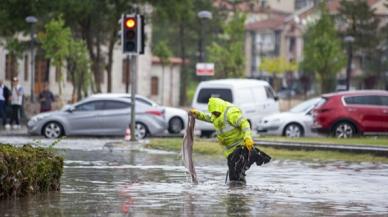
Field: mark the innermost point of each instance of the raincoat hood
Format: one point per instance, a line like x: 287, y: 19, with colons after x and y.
x: 217, y: 105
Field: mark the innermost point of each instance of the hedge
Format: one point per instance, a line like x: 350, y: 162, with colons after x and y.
x: 27, y: 170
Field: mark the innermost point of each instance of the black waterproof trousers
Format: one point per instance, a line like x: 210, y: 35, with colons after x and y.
x: 241, y: 160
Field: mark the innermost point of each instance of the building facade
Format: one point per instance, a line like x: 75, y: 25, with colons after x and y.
x: 151, y: 75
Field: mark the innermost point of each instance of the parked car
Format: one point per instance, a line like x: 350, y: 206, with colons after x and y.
x: 102, y: 116
x: 175, y: 118
x: 345, y: 114
x: 297, y: 122
x: 255, y: 98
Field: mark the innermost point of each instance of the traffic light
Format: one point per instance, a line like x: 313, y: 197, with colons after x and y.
x: 133, y: 34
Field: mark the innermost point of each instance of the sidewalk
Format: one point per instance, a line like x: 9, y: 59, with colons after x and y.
x: 11, y: 132
x: 364, y: 149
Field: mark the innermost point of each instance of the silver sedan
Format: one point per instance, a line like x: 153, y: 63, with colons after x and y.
x: 103, y: 116
x: 175, y: 118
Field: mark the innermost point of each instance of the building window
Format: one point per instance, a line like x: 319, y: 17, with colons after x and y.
x: 10, y: 67
x: 292, y: 45
x: 126, y: 73
x: 154, y: 85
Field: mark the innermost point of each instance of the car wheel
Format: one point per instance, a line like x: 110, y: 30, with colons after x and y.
x: 141, y: 131
x: 344, y: 129
x: 53, y: 130
x: 175, y: 125
x: 293, y: 130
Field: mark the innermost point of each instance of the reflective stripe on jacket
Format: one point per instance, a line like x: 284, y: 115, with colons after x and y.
x: 231, y: 127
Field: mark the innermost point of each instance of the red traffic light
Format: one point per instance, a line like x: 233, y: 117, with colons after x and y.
x: 130, y: 23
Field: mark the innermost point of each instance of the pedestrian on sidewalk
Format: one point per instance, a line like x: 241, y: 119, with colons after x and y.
x: 16, y: 102
x: 4, y: 100
x: 234, y: 133
x: 46, y: 97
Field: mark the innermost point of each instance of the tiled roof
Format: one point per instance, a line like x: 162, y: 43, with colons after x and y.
x: 173, y: 60
x: 334, y: 5
x: 272, y: 23
x: 246, y: 7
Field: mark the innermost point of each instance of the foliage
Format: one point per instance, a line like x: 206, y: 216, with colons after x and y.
x: 323, y: 54
x: 78, y: 64
x: 278, y: 65
x: 162, y: 51
x: 212, y: 148
x: 361, y: 22
x: 176, y: 22
x: 357, y: 141
x: 228, y: 52
x: 28, y: 170
x: 55, y: 42
x: 200, y: 146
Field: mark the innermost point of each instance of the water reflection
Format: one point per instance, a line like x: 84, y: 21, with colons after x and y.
x: 141, y: 182
x: 238, y: 204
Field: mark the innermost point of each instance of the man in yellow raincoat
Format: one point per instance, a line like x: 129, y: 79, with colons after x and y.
x: 234, y: 133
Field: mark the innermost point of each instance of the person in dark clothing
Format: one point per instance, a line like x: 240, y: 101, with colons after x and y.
x: 234, y: 133
x: 4, y: 100
x: 242, y: 159
x: 46, y: 97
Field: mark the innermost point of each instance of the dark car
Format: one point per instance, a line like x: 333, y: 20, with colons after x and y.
x: 345, y: 114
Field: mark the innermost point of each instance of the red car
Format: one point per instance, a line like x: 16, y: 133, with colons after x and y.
x: 345, y: 114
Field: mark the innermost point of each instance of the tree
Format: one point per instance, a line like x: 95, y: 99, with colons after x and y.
x: 78, y: 66
x: 177, y: 23
x: 55, y: 42
x: 228, y: 52
x: 276, y: 66
x: 361, y: 22
x: 176, y: 20
x: 96, y: 22
x: 162, y: 51
x: 323, y: 54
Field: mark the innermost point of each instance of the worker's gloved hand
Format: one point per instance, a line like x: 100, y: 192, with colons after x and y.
x: 194, y: 113
x: 249, y: 144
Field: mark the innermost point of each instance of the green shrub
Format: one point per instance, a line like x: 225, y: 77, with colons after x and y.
x: 28, y: 170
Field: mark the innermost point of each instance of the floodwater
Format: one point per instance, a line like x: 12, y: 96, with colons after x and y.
x: 104, y: 179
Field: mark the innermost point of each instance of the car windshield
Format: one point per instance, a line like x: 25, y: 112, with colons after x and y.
x: 305, y: 106
x: 206, y: 93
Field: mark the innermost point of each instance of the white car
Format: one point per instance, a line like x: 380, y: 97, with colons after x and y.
x: 175, y: 118
x: 255, y: 98
x: 297, y: 122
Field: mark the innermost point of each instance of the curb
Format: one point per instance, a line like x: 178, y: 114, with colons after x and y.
x: 364, y: 149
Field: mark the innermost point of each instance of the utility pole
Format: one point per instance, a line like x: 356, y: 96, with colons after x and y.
x: 133, y: 43
x: 133, y: 94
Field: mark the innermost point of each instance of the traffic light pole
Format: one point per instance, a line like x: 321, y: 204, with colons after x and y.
x: 133, y: 64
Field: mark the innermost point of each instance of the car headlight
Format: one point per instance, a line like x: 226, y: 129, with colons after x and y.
x: 38, y: 118
x: 274, y: 121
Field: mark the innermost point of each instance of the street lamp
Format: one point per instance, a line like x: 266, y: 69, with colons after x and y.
x: 261, y: 57
x: 202, y: 15
x: 349, y: 40
x: 32, y: 20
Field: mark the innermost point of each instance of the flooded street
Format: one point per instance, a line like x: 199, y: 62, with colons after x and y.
x: 104, y: 179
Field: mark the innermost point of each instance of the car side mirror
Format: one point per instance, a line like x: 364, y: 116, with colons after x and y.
x: 69, y: 108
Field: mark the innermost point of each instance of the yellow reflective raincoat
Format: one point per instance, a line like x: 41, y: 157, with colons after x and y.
x: 231, y: 127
